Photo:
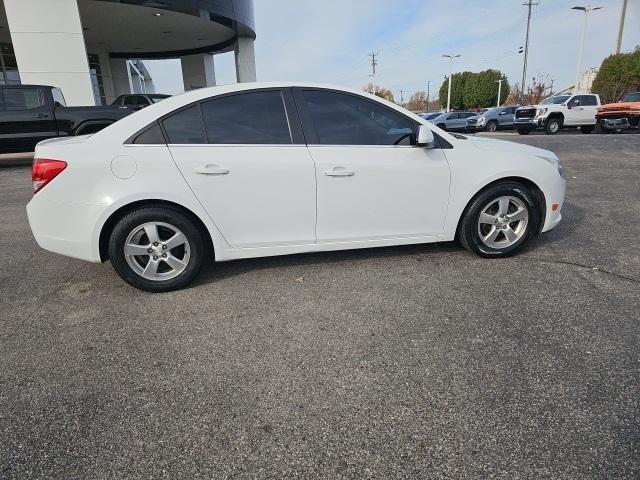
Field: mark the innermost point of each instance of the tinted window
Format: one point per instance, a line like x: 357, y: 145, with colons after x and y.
x: 342, y: 119
x: 588, y: 100
x: 151, y: 136
x: 185, y: 126
x: 247, y: 118
x: 23, y: 98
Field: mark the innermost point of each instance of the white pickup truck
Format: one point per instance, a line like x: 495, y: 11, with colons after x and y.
x: 558, y: 112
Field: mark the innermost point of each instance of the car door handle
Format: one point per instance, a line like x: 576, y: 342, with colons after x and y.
x: 211, y: 170
x: 339, y: 173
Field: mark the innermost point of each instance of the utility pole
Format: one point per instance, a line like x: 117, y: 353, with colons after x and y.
x: 530, y: 4
x: 499, y: 82
x: 428, y: 86
x: 586, y: 9
x: 401, y: 97
x: 374, y: 63
x: 623, y: 14
x: 450, y: 56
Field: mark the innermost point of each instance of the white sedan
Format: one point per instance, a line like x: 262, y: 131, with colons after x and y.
x: 254, y: 170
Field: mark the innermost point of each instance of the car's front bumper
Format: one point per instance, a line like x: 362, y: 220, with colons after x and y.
x: 528, y: 122
x: 554, y: 195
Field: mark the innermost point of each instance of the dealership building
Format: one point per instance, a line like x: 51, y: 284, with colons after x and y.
x: 92, y: 49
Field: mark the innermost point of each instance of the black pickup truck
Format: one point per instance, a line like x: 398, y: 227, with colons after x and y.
x: 31, y: 113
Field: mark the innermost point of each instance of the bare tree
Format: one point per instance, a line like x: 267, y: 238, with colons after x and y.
x: 379, y: 91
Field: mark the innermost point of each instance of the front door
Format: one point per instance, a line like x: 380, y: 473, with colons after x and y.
x: 373, y: 182
x: 256, y: 182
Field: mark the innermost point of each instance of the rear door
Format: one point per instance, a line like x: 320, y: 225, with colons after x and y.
x: 27, y: 118
x: 244, y: 156
x: 587, y: 109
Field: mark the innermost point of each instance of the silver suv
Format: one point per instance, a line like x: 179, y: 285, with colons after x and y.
x: 493, y: 119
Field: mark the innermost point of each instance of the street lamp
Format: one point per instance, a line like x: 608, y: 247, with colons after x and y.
x: 499, y: 82
x: 450, y: 57
x: 588, y: 8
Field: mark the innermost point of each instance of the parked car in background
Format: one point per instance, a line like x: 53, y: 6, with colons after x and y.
x: 139, y: 100
x: 430, y: 115
x: 493, y: 119
x: 557, y: 112
x: 211, y: 174
x: 31, y: 113
x: 623, y: 115
x: 453, y: 121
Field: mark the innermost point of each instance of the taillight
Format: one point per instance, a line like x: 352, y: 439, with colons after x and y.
x: 44, y: 170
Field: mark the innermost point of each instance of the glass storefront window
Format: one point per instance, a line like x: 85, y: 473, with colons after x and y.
x: 96, y: 79
x: 8, y: 66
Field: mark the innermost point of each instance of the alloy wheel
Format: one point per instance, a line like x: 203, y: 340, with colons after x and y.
x: 503, y: 222
x: 157, y: 251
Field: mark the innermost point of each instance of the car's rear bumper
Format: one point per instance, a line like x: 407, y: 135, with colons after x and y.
x: 65, y: 228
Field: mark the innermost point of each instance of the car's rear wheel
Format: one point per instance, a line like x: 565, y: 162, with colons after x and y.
x: 492, y: 126
x: 157, y: 249
x: 500, y: 220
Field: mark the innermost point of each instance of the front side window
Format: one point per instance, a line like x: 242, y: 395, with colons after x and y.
x: 185, y: 126
x: 343, y: 119
x: 247, y: 118
x: 632, y: 97
x: 23, y: 98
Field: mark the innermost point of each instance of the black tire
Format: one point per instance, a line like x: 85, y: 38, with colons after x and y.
x: 468, y: 231
x: 586, y: 129
x: 524, y: 131
x: 602, y: 130
x: 173, y: 217
x: 552, y: 126
x: 492, y: 126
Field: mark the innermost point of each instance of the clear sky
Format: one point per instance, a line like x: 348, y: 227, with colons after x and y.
x: 329, y: 41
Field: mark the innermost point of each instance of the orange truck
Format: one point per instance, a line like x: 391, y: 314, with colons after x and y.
x: 623, y: 115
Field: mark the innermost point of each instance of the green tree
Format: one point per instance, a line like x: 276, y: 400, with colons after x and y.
x: 619, y: 74
x: 481, y: 89
x: 458, y: 81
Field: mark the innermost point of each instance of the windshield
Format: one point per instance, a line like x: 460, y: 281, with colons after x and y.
x: 157, y: 98
x: 491, y: 110
x: 632, y: 97
x: 556, y: 100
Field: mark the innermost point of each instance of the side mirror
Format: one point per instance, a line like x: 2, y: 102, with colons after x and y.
x: 569, y: 106
x: 425, y: 137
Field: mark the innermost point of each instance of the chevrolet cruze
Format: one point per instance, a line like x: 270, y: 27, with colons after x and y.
x: 255, y: 170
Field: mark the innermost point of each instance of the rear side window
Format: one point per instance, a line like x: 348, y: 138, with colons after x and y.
x: 344, y: 119
x: 151, y: 136
x: 58, y: 98
x: 588, y: 101
x: 185, y: 127
x: 247, y: 118
x: 23, y: 98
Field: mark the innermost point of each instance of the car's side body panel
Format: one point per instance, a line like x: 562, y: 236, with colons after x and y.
x: 105, y: 173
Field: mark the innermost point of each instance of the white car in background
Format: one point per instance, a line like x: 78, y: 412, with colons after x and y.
x: 254, y: 170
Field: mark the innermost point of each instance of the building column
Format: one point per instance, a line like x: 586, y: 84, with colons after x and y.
x: 107, y: 76
x: 198, y: 71
x: 245, y: 60
x: 49, y: 46
x: 120, y: 77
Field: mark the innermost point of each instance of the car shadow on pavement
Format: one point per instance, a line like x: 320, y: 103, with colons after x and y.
x: 214, y: 272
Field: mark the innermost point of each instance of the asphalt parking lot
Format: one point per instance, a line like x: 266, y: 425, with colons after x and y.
x: 410, y: 362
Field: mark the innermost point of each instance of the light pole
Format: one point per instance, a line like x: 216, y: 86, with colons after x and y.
x: 499, y: 82
x: 450, y: 57
x: 588, y: 8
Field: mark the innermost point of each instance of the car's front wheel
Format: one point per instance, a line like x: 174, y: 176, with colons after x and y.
x: 500, y: 220
x: 552, y: 126
x: 157, y: 249
x: 523, y: 131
